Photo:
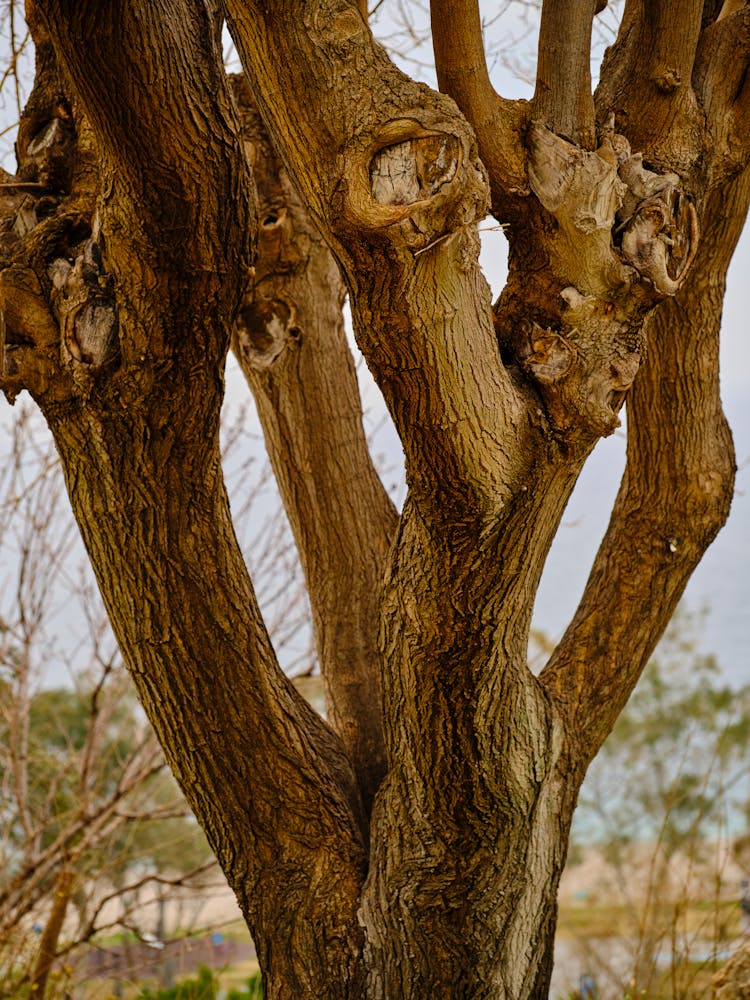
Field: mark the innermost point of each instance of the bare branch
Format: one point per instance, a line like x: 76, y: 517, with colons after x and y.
x: 646, y: 81
x: 61, y: 895
x: 408, y: 180
x: 722, y: 83
x: 673, y: 28
x: 563, y: 99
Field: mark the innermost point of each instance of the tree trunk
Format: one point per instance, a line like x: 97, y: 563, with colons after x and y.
x: 290, y: 342
x: 414, y: 846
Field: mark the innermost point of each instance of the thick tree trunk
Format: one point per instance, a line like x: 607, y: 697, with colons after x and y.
x: 203, y: 666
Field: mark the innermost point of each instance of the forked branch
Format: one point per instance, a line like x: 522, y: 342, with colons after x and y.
x: 400, y: 207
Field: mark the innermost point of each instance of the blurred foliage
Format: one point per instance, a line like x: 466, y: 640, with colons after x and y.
x: 666, y: 807
x: 205, y: 986
x: 675, y: 766
x: 58, y: 725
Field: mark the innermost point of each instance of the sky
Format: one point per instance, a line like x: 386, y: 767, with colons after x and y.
x: 721, y: 583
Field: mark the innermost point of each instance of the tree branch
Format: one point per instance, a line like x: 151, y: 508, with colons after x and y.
x: 645, y: 80
x: 160, y: 122
x: 268, y: 780
x: 722, y: 83
x: 673, y: 499
x: 291, y: 345
x: 672, y: 28
x: 563, y: 99
x: 462, y: 74
x: 266, y: 777
x: 399, y: 206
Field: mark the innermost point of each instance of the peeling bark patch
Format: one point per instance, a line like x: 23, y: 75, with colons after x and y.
x: 414, y: 170
x: 83, y: 302
x: 625, y: 238
x: 45, y: 155
x: 641, y: 213
x: 93, y: 333
x: 551, y: 357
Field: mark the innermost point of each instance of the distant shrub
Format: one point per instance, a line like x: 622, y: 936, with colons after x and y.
x: 254, y: 989
x: 204, y: 987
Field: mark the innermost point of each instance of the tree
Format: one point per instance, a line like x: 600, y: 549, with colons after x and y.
x: 661, y: 803
x: 412, y: 847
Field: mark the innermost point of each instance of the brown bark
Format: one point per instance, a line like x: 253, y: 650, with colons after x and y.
x: 677, y: 434
x: 646, y: 82
x: 562, y: 96
x: 497, y: 411
x: 499, y: 123
x: 138, y: 435
x: 269, y: 782
x: 291, y: 345
x: 733, y: 982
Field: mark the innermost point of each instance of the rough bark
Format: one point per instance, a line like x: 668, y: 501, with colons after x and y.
x: 118, y: 320
x: 137, y: 430
x: 733, y: 982
x: 499, y: 124
x: 677, y: 434
x: 289, y: 339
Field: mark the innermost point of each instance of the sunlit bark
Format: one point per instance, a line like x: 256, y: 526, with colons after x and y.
x: 119, y: 306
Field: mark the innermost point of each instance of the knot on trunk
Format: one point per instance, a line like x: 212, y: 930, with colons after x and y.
x: 619, y: 222
x: 83, y: 301
x: 620, y: 239
x: 264, y: 327
x: 585, y: 368
x: 412, y: 171
x: 417, y: 181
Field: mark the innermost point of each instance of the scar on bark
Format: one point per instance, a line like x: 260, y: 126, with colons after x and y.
x: 83, y: 301
x: 264, y: 327
x: 57, y: 302
x: 626, y: 237
x: 413, y: 171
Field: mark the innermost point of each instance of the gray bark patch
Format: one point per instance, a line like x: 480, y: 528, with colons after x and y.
x: 414, y: 170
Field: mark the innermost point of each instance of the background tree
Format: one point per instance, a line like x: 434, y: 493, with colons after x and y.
x: 663, y: 806
x: 94, y: 834
x: 89, y: 812
x: 416, y: 850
